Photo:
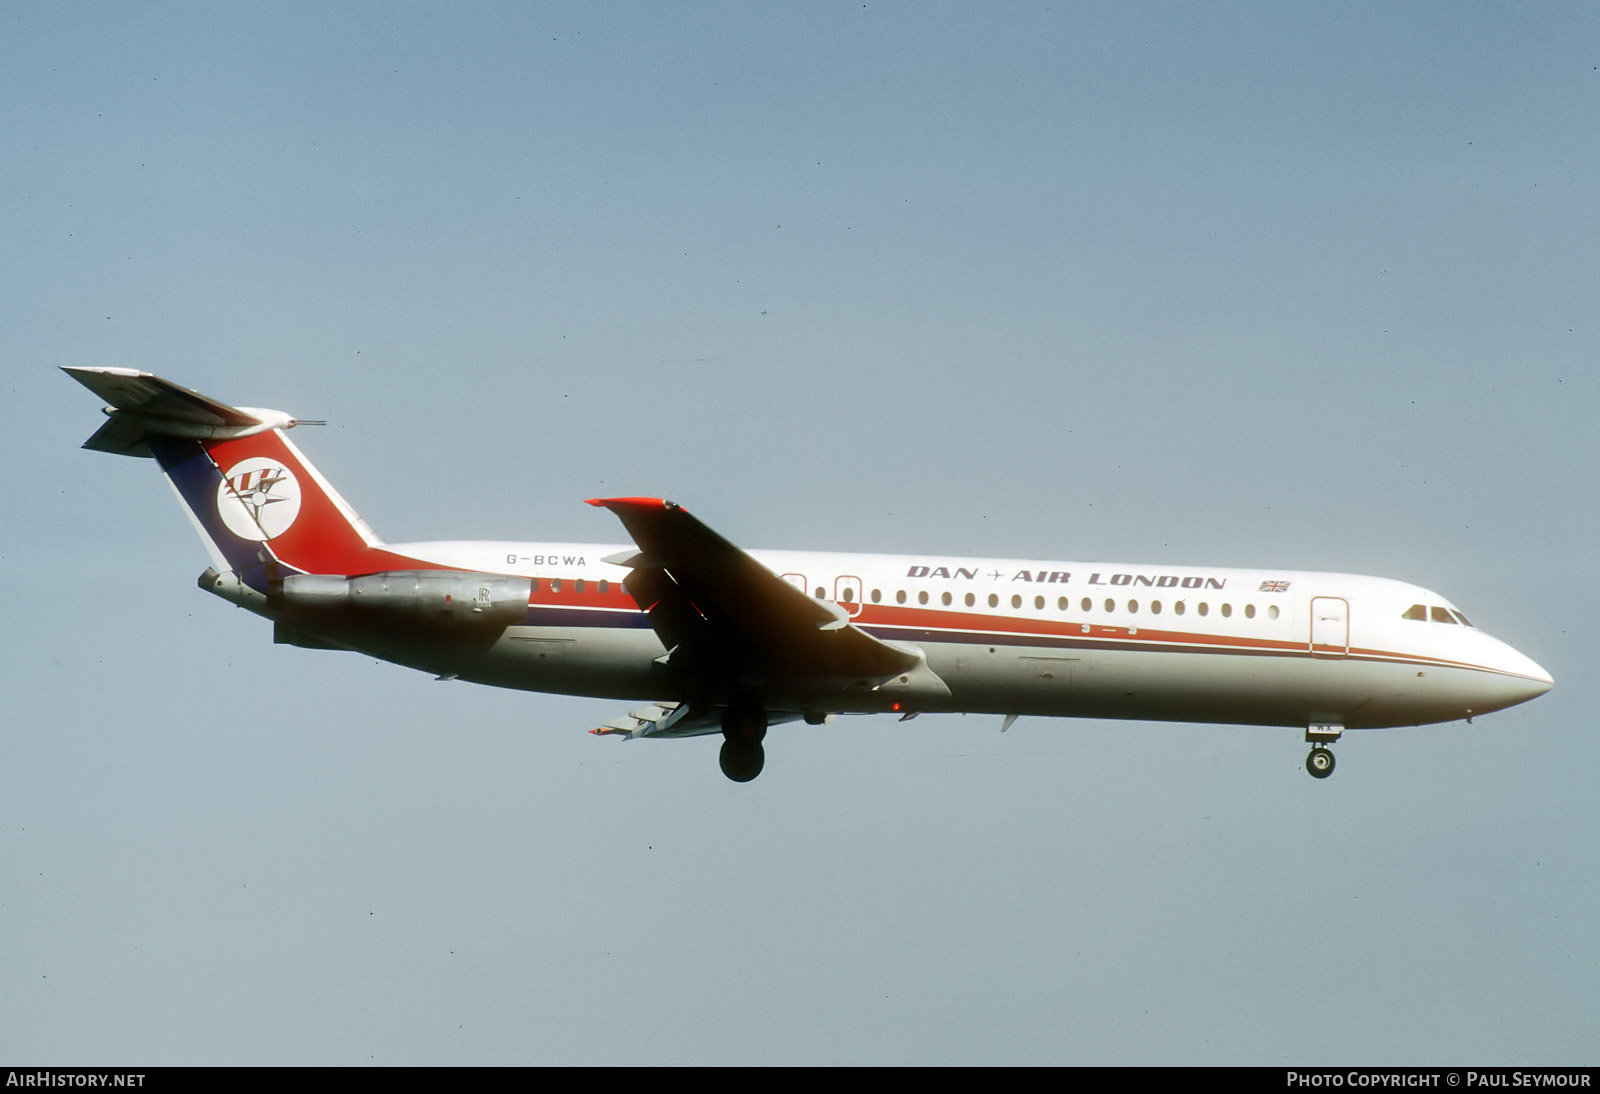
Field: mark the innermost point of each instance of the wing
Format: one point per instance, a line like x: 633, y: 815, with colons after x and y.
x: 729, y: 621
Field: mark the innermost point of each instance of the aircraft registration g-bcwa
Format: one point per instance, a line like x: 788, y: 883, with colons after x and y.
x: 713, y: 639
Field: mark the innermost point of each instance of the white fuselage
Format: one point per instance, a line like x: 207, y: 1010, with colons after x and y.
x: 1018, y: 636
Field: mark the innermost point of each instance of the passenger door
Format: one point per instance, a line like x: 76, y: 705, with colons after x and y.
x: 1330, y: 626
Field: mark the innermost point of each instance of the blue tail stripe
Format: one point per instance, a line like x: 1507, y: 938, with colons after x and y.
x: 198, y: 479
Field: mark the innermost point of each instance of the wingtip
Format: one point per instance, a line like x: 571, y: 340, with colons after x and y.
x: 101, y: 370
x: 632, y: 503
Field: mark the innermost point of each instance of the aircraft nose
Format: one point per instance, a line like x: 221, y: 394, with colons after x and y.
x: 1525, y: 678
x: 1540, y: 682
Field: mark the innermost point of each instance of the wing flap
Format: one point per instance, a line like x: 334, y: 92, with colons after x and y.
x: 663, y: 720
x: 670, y: 719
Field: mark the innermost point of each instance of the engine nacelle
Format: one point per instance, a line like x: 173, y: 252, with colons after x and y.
x: 443, y: 596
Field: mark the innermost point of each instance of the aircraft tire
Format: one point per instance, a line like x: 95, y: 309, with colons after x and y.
x: 1320, y: 763
x: 742, y: 762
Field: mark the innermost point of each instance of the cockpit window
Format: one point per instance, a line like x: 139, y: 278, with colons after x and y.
x: 1436, y: 613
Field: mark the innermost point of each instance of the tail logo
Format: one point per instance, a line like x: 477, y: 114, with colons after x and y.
x: 258, y: 498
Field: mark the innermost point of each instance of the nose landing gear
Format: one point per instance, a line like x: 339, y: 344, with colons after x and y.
x: 1320, y: 735
x: 1320, y: 763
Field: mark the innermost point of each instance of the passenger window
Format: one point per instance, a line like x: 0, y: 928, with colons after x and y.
x: 822, y: 594
x: 578, y: 588
x: 534, y: 585
x: 1133, y: 605
x: 1441, y: 615
x: 1249, y: 611
x: 849, y: 596
x: 876, y: 596
x: 1272, y: 611
x: 1016, y: 602
x: 971, y: 600
x: 1227, y: 610
x: 922, y: 597
x: 604, y: 588
x: 1416, y: 611
x: 994, y: 601
x: 1061, y: 605
x: 1088, y: 605
x: 1038, y: 603
x: 900, y: 596
x: 945, y: 600
x: 1111, y: 605
x: 1204, y: 608
x: 1155, y: 607
x: 555, y: 584
x: 1178, y: 607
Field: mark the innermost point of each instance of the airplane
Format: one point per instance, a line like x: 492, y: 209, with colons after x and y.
x: 714, y: 639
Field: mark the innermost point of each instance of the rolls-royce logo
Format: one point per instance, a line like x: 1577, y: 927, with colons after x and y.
x: 258, y: 498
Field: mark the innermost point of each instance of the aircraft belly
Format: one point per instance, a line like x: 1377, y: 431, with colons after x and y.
x: 1246, y: 689
x: 602, y: 662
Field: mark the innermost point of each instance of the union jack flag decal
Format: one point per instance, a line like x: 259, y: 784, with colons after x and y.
x: 1274, y: 587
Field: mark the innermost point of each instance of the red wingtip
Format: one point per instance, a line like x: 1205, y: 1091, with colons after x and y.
x: 643, y: 503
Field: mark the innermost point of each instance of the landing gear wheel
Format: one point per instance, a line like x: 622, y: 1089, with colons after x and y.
x: 1320, y: 763
x: 743, y: 727
x: 742, y: 762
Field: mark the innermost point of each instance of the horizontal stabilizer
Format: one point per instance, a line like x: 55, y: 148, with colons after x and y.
x: 151, y: 396
x: 120, y: 436
x: 142, y: 406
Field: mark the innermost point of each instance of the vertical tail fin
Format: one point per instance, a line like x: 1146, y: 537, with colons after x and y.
x: 262, y: 509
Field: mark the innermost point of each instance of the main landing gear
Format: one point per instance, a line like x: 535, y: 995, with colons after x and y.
x: 743, y: 728
x: 1320, y: 761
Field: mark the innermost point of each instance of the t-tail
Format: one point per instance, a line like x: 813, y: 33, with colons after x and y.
x: 264, y: 512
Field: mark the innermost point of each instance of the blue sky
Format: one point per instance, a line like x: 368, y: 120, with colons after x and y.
x: 1234, y: 284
